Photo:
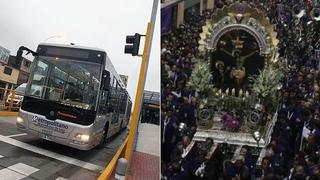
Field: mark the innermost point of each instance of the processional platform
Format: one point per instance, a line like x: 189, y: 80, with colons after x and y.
x: 242, y: 137
x: 238, y: 51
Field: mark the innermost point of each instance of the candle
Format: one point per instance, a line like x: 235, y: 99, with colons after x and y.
x: 233, y: 91
x: 240, y: 93
x: 227, y: 91
x: 247, y: 93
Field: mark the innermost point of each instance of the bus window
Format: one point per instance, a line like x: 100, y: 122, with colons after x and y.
x: 116, y: 103
x: 39, y: 77
x: 124, y: 102
x: 57, y: 83
x: 112, y: 101
x: 72, y: 92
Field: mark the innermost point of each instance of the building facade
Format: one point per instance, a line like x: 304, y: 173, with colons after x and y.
x: 12, y: 73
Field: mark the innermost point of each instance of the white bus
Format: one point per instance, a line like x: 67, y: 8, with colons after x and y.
x: 81, y: 100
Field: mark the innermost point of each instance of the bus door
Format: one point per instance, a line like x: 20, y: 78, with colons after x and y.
x: 103, y: 103
x: 115, y: 117
x: 112, y: 106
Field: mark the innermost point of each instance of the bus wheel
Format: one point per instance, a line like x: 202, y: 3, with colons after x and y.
x: 120, y: 129
x: 103, y: 140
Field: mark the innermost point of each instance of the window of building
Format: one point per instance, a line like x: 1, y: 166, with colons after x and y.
x: 26, y: 64
x: 7, y: 70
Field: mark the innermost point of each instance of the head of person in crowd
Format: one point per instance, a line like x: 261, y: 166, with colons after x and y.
x: 239, y: 163
x: 312, y: 160
x: 244, y: 151
x: 316, y: 171
x: 265, y: 164
x: 175, y: 167
x: 209, y: 143
x: 169, y: 112
x: 186, y: 140
x: 299, y: 173
x: 177, y: 152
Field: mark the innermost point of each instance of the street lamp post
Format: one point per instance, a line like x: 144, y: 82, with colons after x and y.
x: 257, y: 137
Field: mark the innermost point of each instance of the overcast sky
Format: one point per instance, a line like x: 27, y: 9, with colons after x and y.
x: 95, y: 23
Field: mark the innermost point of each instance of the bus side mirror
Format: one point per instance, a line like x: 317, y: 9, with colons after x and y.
x: 105, y: 80
x: 20, y: 52
x: 19, y: 56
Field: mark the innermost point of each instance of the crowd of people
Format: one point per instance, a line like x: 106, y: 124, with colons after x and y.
x: 294, y: 150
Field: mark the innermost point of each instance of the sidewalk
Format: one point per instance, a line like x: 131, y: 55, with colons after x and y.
x: 148, y: 139
x: 144, y: 167
x: 145, y: 163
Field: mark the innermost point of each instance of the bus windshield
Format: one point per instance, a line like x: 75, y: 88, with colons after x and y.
x: 69, y: 82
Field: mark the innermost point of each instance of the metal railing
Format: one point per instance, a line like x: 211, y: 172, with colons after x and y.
x: 110, y: 169
x: 10, y: 100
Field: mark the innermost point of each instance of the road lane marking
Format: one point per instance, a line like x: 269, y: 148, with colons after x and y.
x: 16, y: 135
x: 1, y: 156
x: 61, y: 178
x: 23, y: 169
x: 7, y: 174
x: 50, y: 154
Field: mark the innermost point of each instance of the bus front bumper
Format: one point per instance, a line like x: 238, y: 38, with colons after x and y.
x: 64, y: 141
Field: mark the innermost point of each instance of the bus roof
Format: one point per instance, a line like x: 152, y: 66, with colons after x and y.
x: 72, y: 46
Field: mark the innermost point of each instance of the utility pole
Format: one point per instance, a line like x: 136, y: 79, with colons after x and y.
x: 142, y: 80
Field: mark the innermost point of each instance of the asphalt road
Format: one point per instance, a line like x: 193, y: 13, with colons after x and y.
x: 27, y: 157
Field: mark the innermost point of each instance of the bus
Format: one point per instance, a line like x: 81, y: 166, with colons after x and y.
x: 74, y: 97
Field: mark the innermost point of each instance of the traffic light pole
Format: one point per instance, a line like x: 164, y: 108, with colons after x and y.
x: 142, y: 79
x: 139, y: 94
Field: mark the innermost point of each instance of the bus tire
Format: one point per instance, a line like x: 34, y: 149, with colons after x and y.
x: 121, y: 128
x: 103, y: 140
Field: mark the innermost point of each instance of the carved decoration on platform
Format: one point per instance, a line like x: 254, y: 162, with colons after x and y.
x: 239, y: 16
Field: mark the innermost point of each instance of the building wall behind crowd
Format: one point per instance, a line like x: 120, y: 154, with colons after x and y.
x: 192, y: 6
x: 173, y: 15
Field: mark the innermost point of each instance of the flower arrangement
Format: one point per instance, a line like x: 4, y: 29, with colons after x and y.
x: 230, y: 122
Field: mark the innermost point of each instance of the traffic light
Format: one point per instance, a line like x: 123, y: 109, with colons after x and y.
x: 132, y: 46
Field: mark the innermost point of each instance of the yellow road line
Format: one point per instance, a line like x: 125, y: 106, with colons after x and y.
x: 8, y: 113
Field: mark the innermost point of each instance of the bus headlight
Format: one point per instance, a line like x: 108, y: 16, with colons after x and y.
x: 20, y: 120
x: 82, y: 137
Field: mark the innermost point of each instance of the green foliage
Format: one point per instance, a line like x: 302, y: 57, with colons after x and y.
x: 220, y: 101
x: 235, y: 104
x: 201, y: 79
x: 265, y: 85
